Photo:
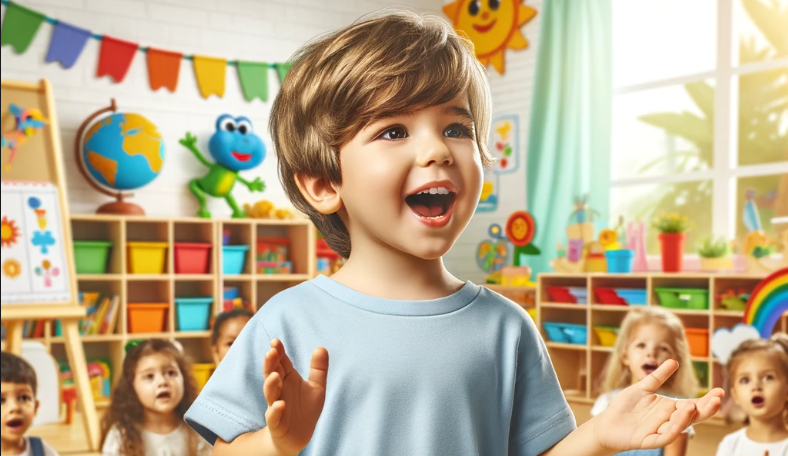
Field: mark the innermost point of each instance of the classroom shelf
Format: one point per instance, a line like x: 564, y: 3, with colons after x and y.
x: 580, y: 368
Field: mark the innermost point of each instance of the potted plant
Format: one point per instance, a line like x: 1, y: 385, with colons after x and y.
x: 672, y: 229
x: 714, y: 254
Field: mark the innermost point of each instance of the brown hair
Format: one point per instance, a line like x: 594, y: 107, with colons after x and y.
x: 776, y: 346
x: 379, y: 67
x: 14, y: 369
x: 127, y: 412
x: 682, y: 382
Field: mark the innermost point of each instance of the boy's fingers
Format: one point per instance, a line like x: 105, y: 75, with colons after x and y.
x: 679, y: 420
x: 272, y: 388
x: 270, y: 362
x: 709, y: 404
x: 284, y: 360
x: 318, y: 368
x: 657, y: 378
x: 273, y: 416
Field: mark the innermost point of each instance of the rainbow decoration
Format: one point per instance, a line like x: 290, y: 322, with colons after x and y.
x: 768, y: 302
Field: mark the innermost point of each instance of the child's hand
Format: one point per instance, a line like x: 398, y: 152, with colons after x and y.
x: 294, y: 405
x: 639, y: 419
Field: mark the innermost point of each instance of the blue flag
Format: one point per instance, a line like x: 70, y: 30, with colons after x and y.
x: 67, y: 43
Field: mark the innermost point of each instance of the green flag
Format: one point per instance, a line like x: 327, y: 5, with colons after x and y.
x: 282, y: 69
x: 20, y: 26
x: 254, y: 79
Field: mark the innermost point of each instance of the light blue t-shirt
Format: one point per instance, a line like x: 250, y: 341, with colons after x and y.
x: 467, y: 374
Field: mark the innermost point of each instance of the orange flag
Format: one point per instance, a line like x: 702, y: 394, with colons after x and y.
x: 163, y: 69
x: 210, y: 74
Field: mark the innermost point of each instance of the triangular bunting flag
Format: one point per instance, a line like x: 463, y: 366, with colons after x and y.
x: 67, y: 44
x: 20, y: 26
x: 254, y: 80
x: 115, y: 58
x: 282, y: 69
x: 163, y: 69
x: 210, y: 74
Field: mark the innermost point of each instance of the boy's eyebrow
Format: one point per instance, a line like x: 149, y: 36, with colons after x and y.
x: 458, y: 111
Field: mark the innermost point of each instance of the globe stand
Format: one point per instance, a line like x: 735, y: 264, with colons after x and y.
x: 120, y: 207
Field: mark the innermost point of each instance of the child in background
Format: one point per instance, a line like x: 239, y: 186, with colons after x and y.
x: 649, y: 336
x: 758, y: 372
x: 226, y: 328
x: 145, y: 417
x: 18, y: 385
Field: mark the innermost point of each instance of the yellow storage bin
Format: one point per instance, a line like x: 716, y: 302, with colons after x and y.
x: 532, y: 312
x: 607, y: 335
x: 147, y: 257
x: 202, y: 372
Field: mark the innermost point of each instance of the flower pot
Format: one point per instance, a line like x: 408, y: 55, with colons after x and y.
x: 672, y: 251
x: 716, y: 264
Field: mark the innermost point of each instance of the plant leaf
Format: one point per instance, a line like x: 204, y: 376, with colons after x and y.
x: 702, y: 94
x: 686, y: 125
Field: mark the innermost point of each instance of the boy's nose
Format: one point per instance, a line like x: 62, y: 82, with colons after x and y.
x: 434, y: 152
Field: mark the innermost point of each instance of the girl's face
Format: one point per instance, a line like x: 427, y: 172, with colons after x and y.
x: 227, y: 334
x: 158, y: 383
x: 759, y: 386
x: 649, y: 346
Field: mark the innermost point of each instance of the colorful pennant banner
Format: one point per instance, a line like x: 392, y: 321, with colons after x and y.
x: 21, y: 25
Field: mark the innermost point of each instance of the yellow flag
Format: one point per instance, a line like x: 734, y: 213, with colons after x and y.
x: 210, y: 74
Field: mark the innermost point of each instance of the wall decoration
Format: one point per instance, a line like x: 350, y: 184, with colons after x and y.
x: 34, y: 269
x: 488, y: 201
x: 492, y: 25
x: 503, y: 144
x: 520, y: 231
x: 9, y: 233
x: 21, y: 25
x: 724, y: 341
x: 768, y: 302
x: 27, y: 122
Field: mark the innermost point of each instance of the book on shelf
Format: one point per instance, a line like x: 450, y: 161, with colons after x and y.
x: 103, y: 310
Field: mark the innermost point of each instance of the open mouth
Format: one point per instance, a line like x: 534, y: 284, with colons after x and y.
x: 648, y: 368
x: 432, y: 204
x: 164, y: 395
x: 241, y: 157
x: 758, y: 401
x: 484, y: 28
x: 14, y: 424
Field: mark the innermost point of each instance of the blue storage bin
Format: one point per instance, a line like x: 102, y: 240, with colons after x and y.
x: 193, y: 314
x: 577, y: 334
x: 555, y: 333
x: 580, y: 293
x: 633, y: 297
x: 234, y: 259
x: 230, y: 293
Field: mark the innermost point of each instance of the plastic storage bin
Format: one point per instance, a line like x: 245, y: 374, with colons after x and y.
x: 619, y: 261
x: 698, y: 340
x: 202, y: 372
x: 234, y: 259
x: 90, y: 257
x: 230, y: 293
x: 572, y: 295
x: 621, y: 296
x: 607, y: 335
x: 566, y: 332
x: 683, y: 298
x: 193, y: 314
x: 192, y: 257
x: 147, y: 257
x: 147, y: 317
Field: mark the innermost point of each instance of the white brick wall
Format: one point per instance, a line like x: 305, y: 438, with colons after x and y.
x: 258, y: 30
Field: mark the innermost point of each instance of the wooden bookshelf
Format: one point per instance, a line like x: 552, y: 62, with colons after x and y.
x: 253, y: 287
x: 583, y: 385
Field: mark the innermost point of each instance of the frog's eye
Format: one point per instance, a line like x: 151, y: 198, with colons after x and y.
x: 244, y: 127
x: 228, y: 125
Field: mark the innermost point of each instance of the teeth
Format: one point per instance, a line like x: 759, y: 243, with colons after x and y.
x: 436, y: 191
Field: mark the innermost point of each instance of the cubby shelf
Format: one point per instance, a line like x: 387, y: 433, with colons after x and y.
x: 581, y: 384
x: 254, y: 288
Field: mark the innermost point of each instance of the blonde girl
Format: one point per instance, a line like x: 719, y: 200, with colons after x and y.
x: 145, y: 417
x: 758, y: 375
x: 649, y: 336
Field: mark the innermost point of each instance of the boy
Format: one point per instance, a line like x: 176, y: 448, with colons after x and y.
x: 19, y: 406
x: 381, y: 131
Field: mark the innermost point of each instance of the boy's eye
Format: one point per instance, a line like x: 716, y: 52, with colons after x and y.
x: 148, y: 377
x: 457, y: 131
x: 744, y: 380
x: 768, y: 377
x: 641, y: 345
x: 394, y: 134
x: 25, y: 398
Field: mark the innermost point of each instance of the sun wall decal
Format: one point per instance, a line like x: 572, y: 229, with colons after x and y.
x: 492, y: 25
x: 9, y: 233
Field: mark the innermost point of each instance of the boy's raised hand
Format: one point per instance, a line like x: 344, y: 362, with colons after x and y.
x: 294, y: 405
x: 637, y: 418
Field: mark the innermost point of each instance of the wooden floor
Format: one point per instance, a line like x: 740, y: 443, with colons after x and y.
x: 70, y: 440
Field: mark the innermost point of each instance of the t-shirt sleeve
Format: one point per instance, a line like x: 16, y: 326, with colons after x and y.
x: 112, y: 443
x: 541, y: 416
x: 232, y: 402
x: 725, y: 448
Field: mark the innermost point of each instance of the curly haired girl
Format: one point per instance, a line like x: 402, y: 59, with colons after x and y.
x: 145, y: 417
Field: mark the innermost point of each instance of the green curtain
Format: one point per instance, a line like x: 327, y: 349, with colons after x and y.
x: 569, y: 136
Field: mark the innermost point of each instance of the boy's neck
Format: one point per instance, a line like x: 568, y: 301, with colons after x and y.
x: 160, y: 423
x: 391, y: 274
x: 767, y: 430
x: 11, y: 447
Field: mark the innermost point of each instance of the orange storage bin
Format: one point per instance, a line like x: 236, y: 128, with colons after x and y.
x: 698, y: 340
x: 147, y: 317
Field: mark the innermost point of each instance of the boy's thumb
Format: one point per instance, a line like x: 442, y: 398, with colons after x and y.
x: 318, y: 368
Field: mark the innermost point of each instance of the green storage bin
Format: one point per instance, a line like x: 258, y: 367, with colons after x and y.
x: 90, y: 257
x: 683, y: 298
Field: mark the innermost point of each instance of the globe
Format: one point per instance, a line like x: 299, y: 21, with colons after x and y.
x: 118, y: 153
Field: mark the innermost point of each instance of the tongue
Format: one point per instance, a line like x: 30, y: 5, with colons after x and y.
x: 428, y: 211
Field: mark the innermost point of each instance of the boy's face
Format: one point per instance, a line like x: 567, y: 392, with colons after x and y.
x: 759, y: 386
x: 412, y: 182
x: 227, y: 334
x: 19, y: 407
x: 158, y: 383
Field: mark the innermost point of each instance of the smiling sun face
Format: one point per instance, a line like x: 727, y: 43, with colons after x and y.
x: 9, y: 233
x: 492, y: 25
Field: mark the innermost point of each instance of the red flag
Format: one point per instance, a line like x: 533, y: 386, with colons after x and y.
x: 163, y: 69
x: 115, y: 58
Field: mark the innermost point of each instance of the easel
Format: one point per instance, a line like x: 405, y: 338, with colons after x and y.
x: 40, y: 160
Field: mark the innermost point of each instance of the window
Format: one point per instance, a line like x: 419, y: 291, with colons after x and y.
x: 700, y: 114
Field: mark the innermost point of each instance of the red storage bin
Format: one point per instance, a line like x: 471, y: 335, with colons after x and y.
x: 561, y: 294
x: 609, y: 296
x: 192, y: 258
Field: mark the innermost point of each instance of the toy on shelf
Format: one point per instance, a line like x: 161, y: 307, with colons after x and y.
x: 584, y: 253
x: 234, y: 147
x: 636, y: 241
x: 328, y: 261
x: 672, y: 229
x: 273, y: 256
x: 118, y: 153
x: 731, y: 300
x: 757, y: 246
x: 27, y: 122
x: 714, y: 255
x: 265, y: 209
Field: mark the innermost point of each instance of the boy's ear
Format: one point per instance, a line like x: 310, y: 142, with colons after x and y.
x: 35, y: 412
x: 319, y: 193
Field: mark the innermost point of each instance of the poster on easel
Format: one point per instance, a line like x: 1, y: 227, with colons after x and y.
x: 32, y: 253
